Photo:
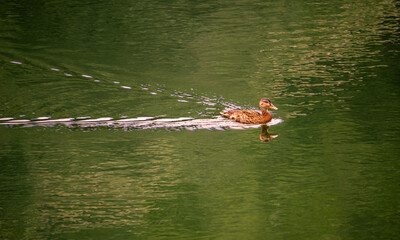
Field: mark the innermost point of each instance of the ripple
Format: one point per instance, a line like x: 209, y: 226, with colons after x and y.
x: 142, y: 123
x: 83, y: 118
x: 86, y: 76
x: 6, y: 119
x: 212, y: 103
x: 135, y: 119
x: 98, y: 119
x: 173, y: 119
x: 20, y: 121
x: 57, y: 120
x: 41, y: 118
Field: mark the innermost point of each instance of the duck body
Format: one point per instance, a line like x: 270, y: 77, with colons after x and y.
x: 252, y: 116
x: 248, y: 116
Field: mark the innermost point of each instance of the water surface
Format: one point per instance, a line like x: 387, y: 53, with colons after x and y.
x: 140, y: 152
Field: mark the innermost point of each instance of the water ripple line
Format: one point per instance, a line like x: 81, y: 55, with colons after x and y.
x: 212, y: 105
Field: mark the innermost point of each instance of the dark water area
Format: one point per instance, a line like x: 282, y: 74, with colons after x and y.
x: 109, y: 124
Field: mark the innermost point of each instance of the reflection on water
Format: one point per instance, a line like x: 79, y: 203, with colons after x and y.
x: 265, y: 136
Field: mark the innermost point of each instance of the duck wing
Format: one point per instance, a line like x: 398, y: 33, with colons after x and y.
x: 244, y: 116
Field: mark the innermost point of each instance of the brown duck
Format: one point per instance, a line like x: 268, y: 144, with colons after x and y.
x: 252, y: 116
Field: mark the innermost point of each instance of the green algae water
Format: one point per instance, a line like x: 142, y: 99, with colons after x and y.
x: 109, y: 124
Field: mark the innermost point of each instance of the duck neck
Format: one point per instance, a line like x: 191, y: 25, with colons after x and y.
x: 265, y: 115
x: 264, y: 112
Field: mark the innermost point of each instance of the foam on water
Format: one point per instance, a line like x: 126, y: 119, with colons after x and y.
x: 98, y: 119
x: 19, y: 121
x: 82, y: 118
x: 40, y: 118
x: 140, y: 123
x: 173, y: 119
x: 135, y: 119
x: 56, y: 120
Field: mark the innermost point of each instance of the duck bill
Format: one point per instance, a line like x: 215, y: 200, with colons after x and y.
x: 273, y: 107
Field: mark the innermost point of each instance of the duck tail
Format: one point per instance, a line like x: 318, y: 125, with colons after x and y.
x: 225, y: 114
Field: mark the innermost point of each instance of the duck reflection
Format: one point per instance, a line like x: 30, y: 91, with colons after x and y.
x: 265, y: 136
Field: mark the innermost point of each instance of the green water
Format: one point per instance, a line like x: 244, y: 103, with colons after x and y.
x: 331, y: 67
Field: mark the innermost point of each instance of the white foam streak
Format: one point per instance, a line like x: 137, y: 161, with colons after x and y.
x: 141, y: 123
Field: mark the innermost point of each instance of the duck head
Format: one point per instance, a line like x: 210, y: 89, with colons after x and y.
x: 266, y: 104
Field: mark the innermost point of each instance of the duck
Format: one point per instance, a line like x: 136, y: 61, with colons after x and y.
x: 252, y: 116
